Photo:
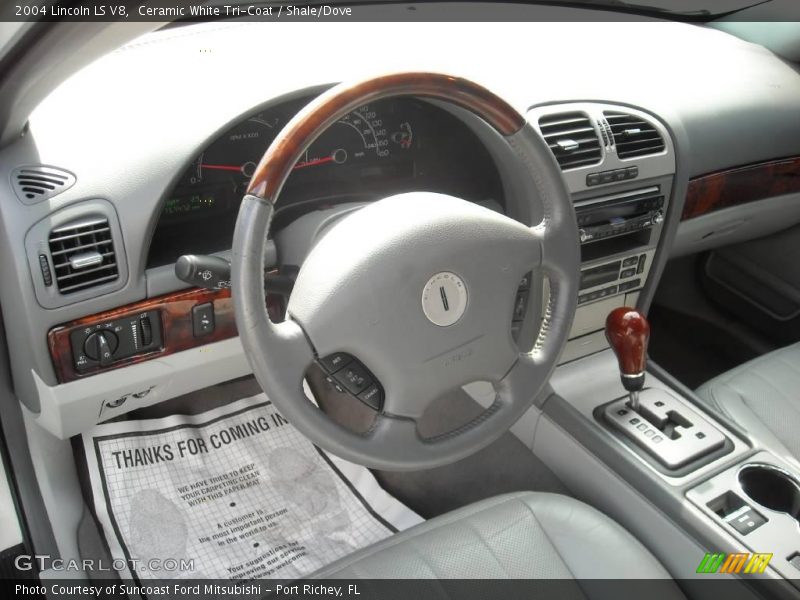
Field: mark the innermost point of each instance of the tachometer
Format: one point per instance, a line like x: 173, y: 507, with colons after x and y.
x: 233, y: 159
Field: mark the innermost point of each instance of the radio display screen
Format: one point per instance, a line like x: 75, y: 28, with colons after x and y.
x: 600, y: 275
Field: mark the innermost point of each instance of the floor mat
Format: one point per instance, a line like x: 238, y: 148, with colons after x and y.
x: 232, y: 493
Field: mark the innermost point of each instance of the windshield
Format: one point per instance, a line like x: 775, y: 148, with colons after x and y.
x: 708, y: 9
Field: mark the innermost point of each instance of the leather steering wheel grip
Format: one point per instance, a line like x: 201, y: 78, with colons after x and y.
x: 280, y: 353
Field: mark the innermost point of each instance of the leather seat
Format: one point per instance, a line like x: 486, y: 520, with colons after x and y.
x: 762, y: 396
x: 514, y: 536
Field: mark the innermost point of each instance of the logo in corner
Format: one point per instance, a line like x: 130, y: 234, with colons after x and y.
x: 737, y: 562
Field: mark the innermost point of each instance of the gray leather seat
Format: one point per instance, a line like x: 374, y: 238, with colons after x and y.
x: 522, y: 536
x: 763, y: 396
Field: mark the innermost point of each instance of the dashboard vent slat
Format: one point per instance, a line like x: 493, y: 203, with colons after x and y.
x: 634, y: 136
x: 36, y: 183
x: 78, y: 238
x: 572, y: 139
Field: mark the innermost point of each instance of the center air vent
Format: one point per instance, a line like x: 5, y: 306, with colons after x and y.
x: 572, y: 139
x: 634, y: 136
x: 36, y: 183
x: 83, y: 255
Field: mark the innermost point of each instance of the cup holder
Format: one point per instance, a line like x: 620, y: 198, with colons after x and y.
x: 772, y: 488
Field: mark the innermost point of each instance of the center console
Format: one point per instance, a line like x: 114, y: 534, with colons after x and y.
x: 702, y: 493
x: 757, y: 501
x: 618, y: 164
x: 739, y: 499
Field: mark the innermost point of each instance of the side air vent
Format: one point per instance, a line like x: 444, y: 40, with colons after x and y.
x: 83, y: 255
x: 634, y: 136
x: 37, y: 183
x: 571, y: 138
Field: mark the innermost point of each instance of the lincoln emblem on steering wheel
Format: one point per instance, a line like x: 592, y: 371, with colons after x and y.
x: 444, y: 299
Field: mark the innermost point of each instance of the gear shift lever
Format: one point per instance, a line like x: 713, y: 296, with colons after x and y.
x: 628, y: 333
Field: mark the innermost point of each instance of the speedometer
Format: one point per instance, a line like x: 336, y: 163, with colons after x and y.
x: 357, y: 137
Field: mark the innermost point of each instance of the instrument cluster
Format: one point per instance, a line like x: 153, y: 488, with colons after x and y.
x: 380, y: 149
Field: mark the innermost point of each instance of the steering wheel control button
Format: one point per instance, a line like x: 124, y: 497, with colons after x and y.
x: 444, y: 299
x: 519, y: 305
x: 372, y: 397
x: 203, y: 319
x: 334, y: 362
x: 354, y: 377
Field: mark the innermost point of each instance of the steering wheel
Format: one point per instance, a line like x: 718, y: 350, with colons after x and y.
x: 418, y: 287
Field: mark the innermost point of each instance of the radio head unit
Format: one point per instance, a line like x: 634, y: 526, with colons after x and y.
x: 610, y: 216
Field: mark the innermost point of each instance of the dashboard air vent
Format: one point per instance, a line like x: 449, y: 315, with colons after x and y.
x: 572, y: 139
x: 83, y: 255
x: 634, y: 136
x: 37, y: 183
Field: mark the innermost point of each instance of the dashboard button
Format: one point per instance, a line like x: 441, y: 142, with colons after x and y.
x: 630, y: 261
x: 627, y: 273
x: 593, y: 179
x: 47, y: 274
x: 631, y: 172
x: 642, y: 261
x: 606, y: 176
x: 100, y: 346
x: 203, y: 319
x: 745, y: 520
x: 146, y: 330
x: 620, y: 175
x: 629, y: 285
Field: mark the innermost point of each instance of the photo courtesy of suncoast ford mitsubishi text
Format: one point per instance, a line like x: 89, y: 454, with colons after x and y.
x: 400, y: 299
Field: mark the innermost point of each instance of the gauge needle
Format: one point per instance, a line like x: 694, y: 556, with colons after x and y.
x: 314, y: 161
x: 222, y: 168
x: 308, y: 163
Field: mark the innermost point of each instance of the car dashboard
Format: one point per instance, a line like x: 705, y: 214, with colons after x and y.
x: 145, y: 168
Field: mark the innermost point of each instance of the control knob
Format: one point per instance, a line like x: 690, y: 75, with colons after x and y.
x: 100, y: 346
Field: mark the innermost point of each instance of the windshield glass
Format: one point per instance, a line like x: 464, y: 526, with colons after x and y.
x: 691, y: 8
x: 711, y: 8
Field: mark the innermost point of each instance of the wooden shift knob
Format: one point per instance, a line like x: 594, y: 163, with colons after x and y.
x: 628, y: 333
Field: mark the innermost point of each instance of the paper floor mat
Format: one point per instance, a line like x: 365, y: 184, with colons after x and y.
x: 233, y: 493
